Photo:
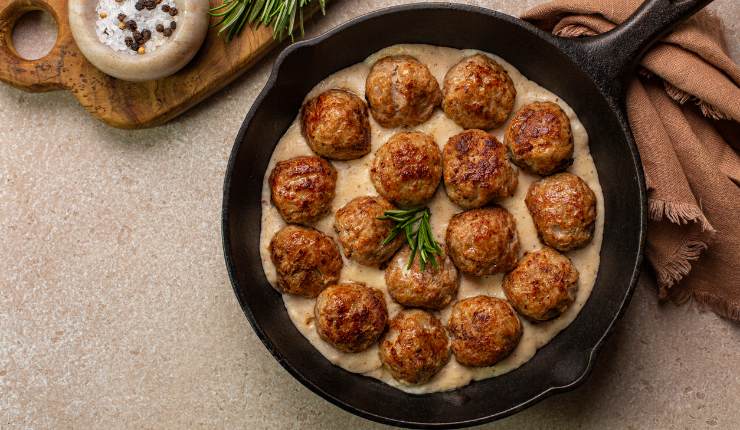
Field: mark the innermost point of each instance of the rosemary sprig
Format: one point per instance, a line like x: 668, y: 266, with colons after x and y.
x: 280, y: 14
x: 414, y: 224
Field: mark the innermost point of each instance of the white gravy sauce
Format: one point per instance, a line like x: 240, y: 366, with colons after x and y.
x: 354, y: 180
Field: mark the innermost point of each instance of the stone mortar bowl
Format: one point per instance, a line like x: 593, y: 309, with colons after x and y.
x: 192, y: 26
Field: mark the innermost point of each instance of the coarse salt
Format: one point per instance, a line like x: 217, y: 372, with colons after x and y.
x: 110, y: 33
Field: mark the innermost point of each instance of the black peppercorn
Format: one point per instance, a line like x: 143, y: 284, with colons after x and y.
x: 134, y: 46
x: 165, y: 8
x: 167, y: 32
x: 137, y: 36
x: 139, y: 5
x: 129, y: 41
x: 173, y: 25
x: 173, y: 11
x: 131, y: 24
x: 159, y: 28
x: 146, y: 34
x: 121, y: 17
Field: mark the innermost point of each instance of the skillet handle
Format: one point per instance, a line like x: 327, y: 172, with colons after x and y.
x: 611, y: 57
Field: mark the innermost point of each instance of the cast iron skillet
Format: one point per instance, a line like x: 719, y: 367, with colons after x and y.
x: 589, y: 74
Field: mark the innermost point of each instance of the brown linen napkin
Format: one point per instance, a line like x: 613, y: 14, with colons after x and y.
x: 686, y: 83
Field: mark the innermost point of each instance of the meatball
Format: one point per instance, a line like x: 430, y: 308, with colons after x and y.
x: 478, y: 93
x: 542, y: 285
x: 415, y: 347
x: 432, y: 288
x: 563, y: 209
x: 361, y: 233
x: 302, y: 188
x: 306, y: 260
x: 336, y: 125
x: 350, y: 316
x: 401, y: 91
x: 477, y: 169
x: 484, y: 330
x: 483, y: 241
x: 540, y: 139
x: 407, y: 169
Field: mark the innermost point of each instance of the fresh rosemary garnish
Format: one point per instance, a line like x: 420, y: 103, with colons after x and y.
x: 280, y: 14
x: 414, y: 224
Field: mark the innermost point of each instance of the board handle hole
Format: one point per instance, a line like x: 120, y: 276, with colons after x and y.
x: 34, y: 34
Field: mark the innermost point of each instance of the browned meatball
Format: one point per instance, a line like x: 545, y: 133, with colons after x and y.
x: 336, y: 125
x: 542, y: 285
x: 484, y: 330
x: 415, y: 347
x: 432, y: 288
x: 478, y: 93
x: 540, y: 139
x: 477, y: 169
x: 350, y: 316
x: 306, y: 260
x: 483, y: 241
x: 407, y: 169
x: 563, y: 209
x: 361, y: 233
x: 302, y: 188
x: 401, y: 91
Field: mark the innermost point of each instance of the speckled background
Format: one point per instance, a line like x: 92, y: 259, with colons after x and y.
x: 116, y: 310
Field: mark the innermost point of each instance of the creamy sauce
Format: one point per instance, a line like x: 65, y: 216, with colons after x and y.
x: 354, y: 180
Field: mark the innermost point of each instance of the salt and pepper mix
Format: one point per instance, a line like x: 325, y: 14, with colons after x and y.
x: 135, y: 26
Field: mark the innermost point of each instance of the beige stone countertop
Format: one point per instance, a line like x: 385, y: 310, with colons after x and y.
x: 116, y: 309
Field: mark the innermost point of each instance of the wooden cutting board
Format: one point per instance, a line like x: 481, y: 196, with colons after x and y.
x: 119, y: 103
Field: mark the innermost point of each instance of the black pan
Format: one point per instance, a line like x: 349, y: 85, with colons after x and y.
x: 589, y: 74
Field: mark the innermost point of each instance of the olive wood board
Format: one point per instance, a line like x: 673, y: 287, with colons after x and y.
x: 116, y: 102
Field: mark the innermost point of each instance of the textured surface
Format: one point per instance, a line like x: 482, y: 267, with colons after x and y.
x: 116, y: 311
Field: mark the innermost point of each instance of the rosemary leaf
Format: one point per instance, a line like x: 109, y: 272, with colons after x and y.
x: 390, y: 237
x: 281, y: 15
x: 410, y: 236
x: 411, y: 258
x: 418, y: 233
